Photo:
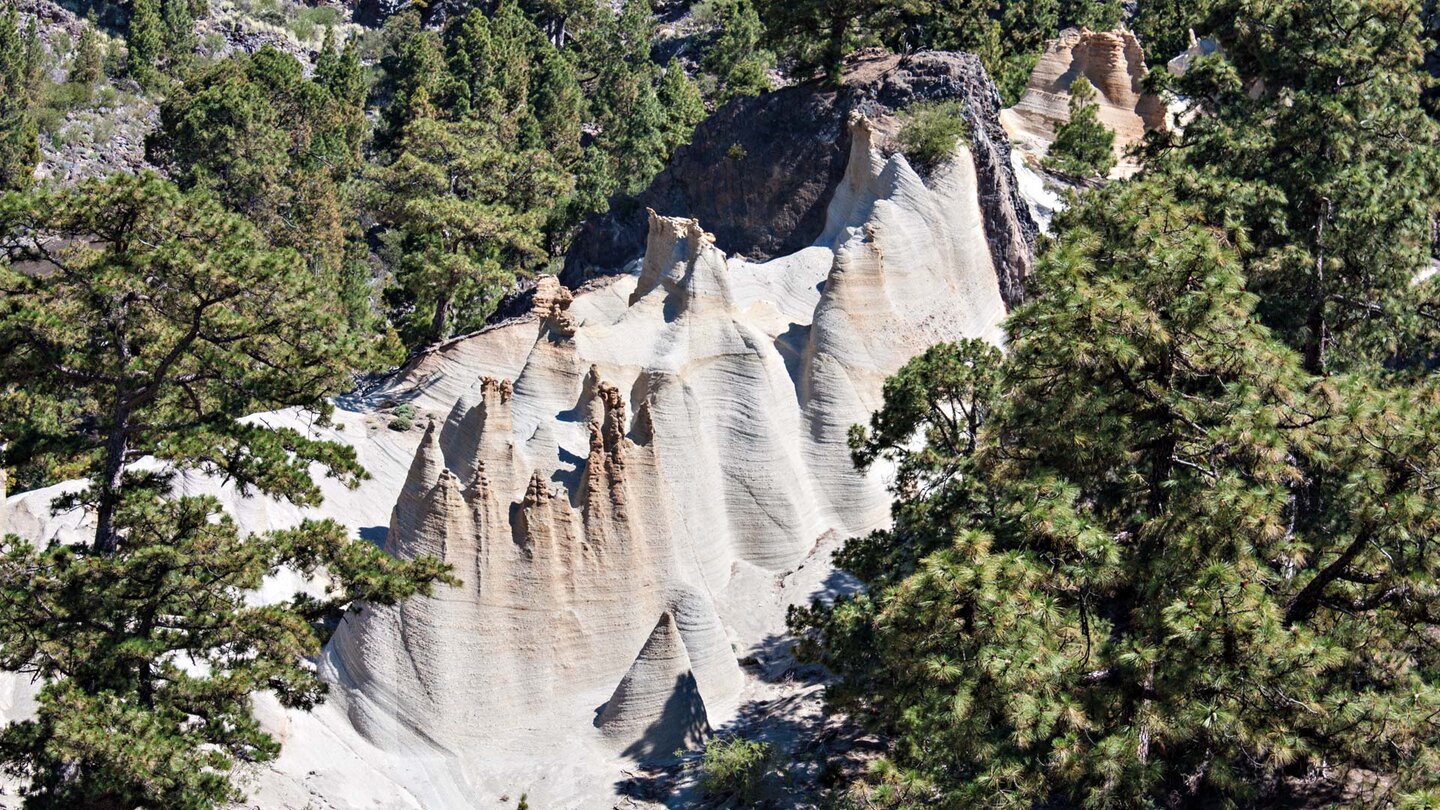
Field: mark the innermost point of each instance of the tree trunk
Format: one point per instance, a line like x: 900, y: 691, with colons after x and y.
x: 1319, y: 330
x: 439, y: 330
x: 835, y: 48
x: 1319, y: 336
x: 117, y: 446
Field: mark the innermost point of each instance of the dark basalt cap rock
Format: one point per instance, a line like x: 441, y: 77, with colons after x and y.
x: 761, y: 171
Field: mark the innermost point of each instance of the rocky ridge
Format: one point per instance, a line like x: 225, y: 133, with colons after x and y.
x: 761, y: 171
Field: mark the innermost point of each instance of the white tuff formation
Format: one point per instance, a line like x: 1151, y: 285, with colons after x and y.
x: 1112, y: 61
x: 657, y: 708
x: 632, y: 483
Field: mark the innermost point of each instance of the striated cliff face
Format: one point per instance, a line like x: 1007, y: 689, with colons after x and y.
x: 633, y: 480
x: 1114, y: 62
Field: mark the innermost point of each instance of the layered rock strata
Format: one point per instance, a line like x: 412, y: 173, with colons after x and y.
x: 1114, y: 63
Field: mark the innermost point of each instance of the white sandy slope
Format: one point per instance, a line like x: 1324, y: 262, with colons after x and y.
x: 633, y: 485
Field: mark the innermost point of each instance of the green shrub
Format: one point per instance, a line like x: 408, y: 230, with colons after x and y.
x: 706, y: 13
x: 309, y: 19
x: 404, y: 417
x: 928, y: 132
x: 1083, y: 146
x: 270, y: 11
x: 213, y: 45
x: 735, y: 766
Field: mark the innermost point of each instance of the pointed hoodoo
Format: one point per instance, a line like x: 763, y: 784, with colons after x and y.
x: 448, y: 530
x: 606, y: 413
x: 480, y: 428
x: 854, y: 199
x: 681, y: 259
x: 656, y: 709
x: 865, y: 160
x: 543, y: 525
x: 495, y: 439
x: 1113, y: 62
x: 605, y: 466
x: 643, y: 431
x: 413, y: 505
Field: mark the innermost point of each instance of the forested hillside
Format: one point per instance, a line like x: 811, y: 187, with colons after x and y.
x: 1160, y: 538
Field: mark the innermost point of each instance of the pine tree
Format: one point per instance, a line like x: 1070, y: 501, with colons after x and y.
x: 205, y: 323
x: 464, y: 215
x: 1311, y: 123
x: 1150, y: 560
x: 680, y: 99
x: 490, y: 61
x: 636, y: 31
x: 471, y: 60
x: 272, y: 144
x: 150, y: 655
x: 145, y: 38
x: 1027, y: 24
x: 559, y: 105
x: 19, y: 138
x: 518, y: 44
x: 284, y: 151
x: 1083, y: 146
x: 968, y: 25
x: 817, y: 35
x: 736, y: 58
x: 338, y: 69
x: 1097, y: 15
x: 35, y: 78
x: 624, y: 103
x: 560, y: 19
x: 1164, y: 26
x: 89, y: 66
x: 414, y: 61
x: 148, y: 644
x: 179, y: 33
x: 327, y: 60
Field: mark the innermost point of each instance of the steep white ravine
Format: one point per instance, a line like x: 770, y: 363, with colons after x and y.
x: 632, y: 482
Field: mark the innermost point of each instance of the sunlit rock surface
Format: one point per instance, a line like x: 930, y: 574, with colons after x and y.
x: 1115, y: 64
x: 633, y: 481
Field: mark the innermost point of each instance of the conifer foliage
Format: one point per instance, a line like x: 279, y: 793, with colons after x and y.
x: 464, y: 215
x: 275, y: 146
x: 1083, y: 146
x: 137, y: 320
x: 737, y: 60
x: 151, y: 653
x: 1176, y: 549
x: 484, y: 173
x: 145, y: 38
x: 203, y: 323
x: 1311, y: 125
x: 1150, y: 560
x: 19, y: 144
x: 89, y: 66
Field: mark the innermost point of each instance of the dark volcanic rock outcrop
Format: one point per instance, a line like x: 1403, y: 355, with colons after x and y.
x: 761, y: 171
